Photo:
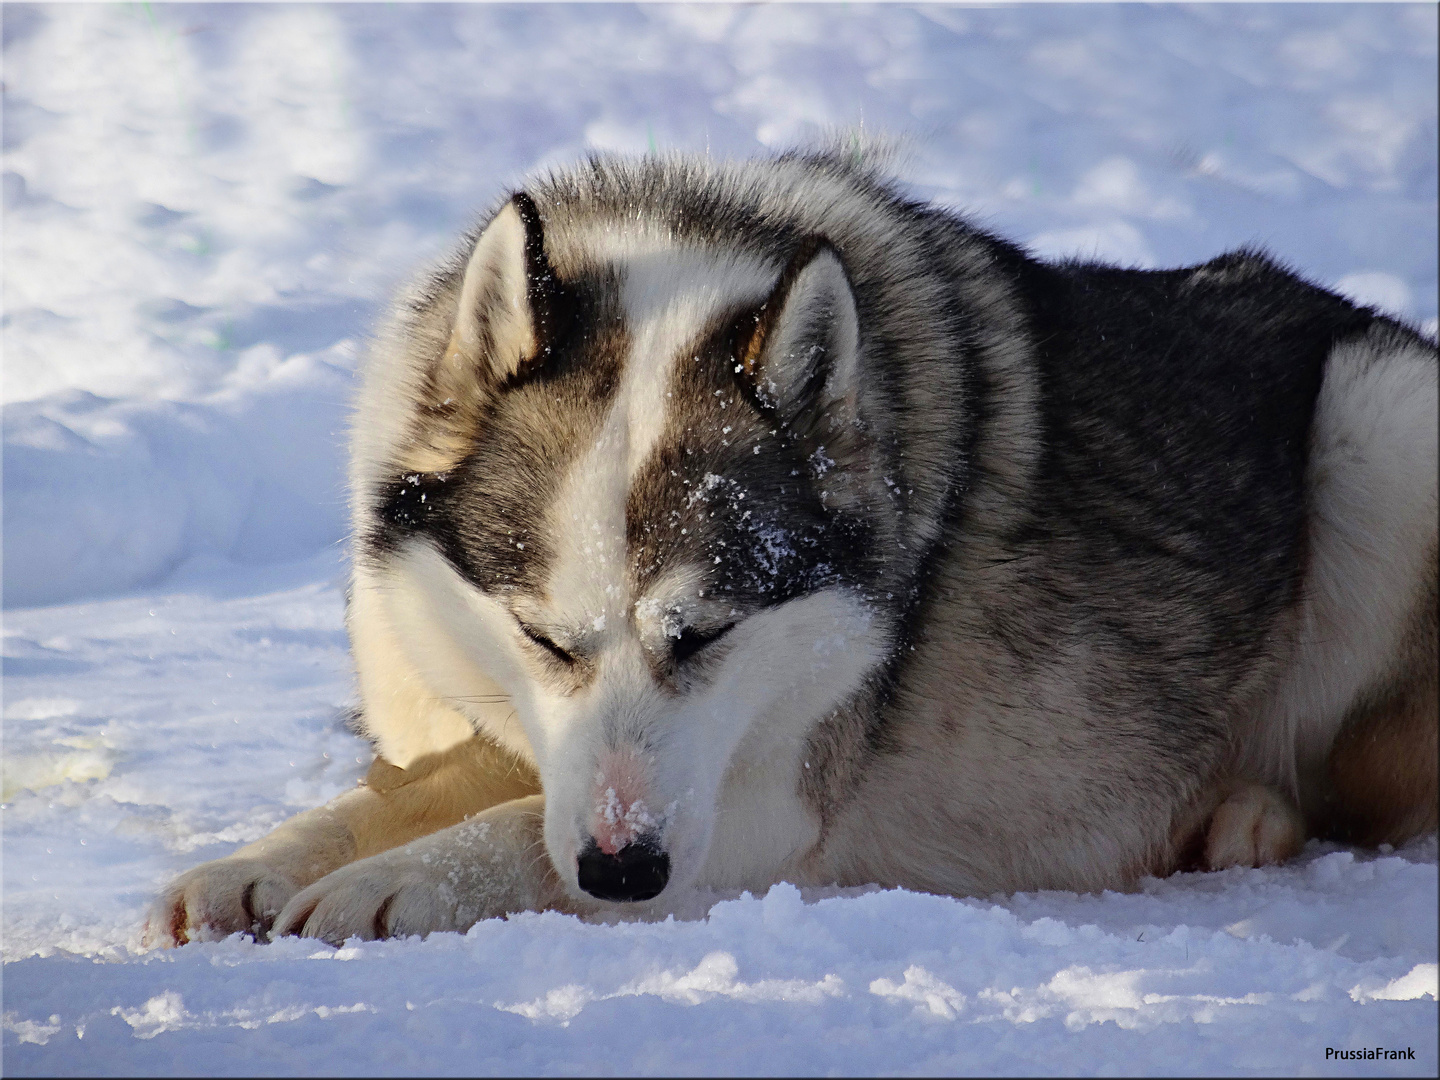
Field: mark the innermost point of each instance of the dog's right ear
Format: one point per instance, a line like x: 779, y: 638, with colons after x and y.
x: 509, y: 317
x: 510, y: 302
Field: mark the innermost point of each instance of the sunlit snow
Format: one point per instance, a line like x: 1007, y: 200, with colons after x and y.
x: 205, y: 210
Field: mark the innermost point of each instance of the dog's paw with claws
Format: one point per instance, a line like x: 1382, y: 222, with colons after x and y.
x: 491, y: 865
x: 216, y: 899
x: 389, y: 895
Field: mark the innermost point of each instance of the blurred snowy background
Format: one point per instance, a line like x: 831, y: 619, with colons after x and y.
x: 206, y: 206
x: 205, y: 210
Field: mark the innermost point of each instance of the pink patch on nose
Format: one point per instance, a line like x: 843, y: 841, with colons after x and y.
x: 619, y: 813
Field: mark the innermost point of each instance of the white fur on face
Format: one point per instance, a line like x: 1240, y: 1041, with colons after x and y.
x: 621, y: 757
x: 713, y: 772
x: 668, y: 294
x: 438, y: 659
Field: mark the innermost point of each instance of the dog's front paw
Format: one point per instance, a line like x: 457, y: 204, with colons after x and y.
x: 389, y: 895
x: 216, y: 899
x: 1255, y: 826
x: 493, y: 864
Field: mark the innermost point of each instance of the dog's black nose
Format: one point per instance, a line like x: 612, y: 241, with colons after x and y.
x: 637, y: 871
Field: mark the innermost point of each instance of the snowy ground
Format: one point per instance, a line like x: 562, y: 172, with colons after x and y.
x: 205, y: 207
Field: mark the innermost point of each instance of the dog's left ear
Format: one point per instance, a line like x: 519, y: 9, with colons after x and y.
x: 800, y: 351
x: 799, y: 354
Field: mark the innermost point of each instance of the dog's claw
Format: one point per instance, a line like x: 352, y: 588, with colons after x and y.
x: 384, y: 896
x: 215, y: 899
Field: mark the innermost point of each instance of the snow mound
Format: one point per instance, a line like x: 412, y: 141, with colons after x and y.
x: 872, y: 983
x: 105, y: 495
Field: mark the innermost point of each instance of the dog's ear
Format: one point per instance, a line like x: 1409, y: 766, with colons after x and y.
x: 511, y: 303
x: 799, y: 352
x: 510, y: 314
x: 799, y: 355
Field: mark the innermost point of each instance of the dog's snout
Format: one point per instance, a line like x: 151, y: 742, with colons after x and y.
x: 638, y: 871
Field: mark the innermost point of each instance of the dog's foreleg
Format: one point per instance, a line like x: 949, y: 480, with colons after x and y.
x: 245, y: 891
x: 492, y: 864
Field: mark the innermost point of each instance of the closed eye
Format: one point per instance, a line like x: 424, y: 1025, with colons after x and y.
x: 691, y: 641
x: 546, y: 644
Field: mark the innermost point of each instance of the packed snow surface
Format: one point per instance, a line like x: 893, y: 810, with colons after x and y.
x: 205, y: 210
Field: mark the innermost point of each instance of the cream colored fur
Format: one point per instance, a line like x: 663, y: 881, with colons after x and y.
x: 248, y: 890
x: 1372, y: 480
x: 491, y: 864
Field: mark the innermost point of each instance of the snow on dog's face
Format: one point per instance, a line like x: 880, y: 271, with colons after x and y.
x: 639, y: 497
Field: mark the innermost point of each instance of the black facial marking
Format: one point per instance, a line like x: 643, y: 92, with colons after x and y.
x: 691, y: 641
x: 408, y: 502
x: 732, y: 490
x: 553, y: 307
x: 486, y: 515
x: 545, y: 643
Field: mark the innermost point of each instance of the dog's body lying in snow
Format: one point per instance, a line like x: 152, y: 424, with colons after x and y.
x: 720, y: 525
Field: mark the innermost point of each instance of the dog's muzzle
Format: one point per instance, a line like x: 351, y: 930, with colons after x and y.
x: 638, y: 871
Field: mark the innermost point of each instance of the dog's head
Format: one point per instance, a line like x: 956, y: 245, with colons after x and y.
x: 639, y: 489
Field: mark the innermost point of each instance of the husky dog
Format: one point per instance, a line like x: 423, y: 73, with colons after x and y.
x: 723, y: 524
